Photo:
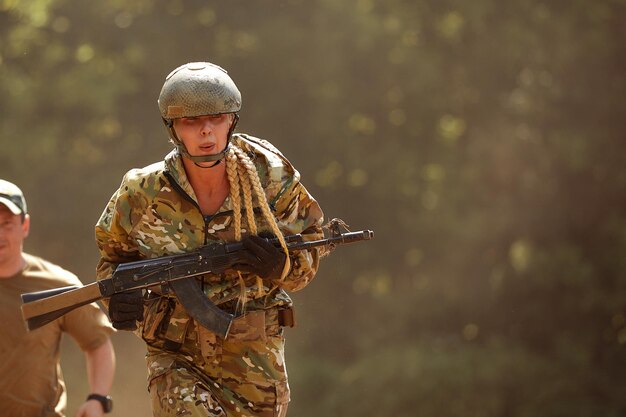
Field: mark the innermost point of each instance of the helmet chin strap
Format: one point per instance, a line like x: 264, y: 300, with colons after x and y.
x: 199, y: 159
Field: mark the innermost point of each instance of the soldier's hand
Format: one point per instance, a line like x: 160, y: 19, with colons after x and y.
x: 90, y: 409
x: 125, y: 309
x: 263, y: 258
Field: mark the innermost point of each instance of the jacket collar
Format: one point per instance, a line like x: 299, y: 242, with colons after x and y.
x: 175, y: 170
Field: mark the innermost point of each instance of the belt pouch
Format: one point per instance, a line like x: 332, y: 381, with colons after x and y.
x: 155, y: 312
x: 176, y: 327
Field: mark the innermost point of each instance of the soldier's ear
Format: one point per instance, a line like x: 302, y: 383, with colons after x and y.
x: 26, y: 225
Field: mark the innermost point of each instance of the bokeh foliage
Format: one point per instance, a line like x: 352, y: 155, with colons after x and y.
x: 483, y: 141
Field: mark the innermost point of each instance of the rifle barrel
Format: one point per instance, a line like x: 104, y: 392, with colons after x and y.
x: 349, y: 237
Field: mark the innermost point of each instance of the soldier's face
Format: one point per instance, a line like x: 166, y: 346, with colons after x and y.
x: 12, y: 234
x: 204, y: 135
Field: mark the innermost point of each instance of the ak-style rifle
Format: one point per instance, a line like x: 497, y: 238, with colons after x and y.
x: 177, y: 272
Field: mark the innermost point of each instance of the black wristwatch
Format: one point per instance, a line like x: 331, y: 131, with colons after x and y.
x: 105, y: 400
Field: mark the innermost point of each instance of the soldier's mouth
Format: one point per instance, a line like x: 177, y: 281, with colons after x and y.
x: 207, y: 148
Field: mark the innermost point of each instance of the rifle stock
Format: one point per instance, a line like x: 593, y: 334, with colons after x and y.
x: 42, y: 307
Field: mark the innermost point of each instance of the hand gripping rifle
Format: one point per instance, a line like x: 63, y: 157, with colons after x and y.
x: 177, y: 272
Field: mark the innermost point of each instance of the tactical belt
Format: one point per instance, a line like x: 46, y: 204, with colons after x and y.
x: 260, y: 322
x: 286, y: 314
x: 254, y: 325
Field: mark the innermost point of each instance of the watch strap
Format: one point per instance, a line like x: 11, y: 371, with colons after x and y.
x: 105, y: 400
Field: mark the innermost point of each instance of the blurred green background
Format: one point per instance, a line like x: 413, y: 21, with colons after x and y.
x: 484, y: 143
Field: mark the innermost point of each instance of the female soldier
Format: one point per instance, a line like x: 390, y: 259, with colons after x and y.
x: 214, y: 186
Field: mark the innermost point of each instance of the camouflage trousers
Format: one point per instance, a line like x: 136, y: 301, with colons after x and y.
x: 243, y: 375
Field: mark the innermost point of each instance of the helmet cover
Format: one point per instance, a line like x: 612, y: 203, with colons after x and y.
x: 198, y: 89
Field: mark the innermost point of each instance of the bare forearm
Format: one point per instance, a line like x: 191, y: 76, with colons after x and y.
x: 101, y: 368
x: 100, y: 364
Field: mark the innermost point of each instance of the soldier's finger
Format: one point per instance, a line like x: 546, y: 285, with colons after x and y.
x: 127, y: 308
x: 251, y: 257
x: 125, y: 325
x: 126, y: 315
x: 133, y: 298
x: 256, y: 245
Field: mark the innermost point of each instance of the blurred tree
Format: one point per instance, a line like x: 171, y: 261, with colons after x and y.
x: 483, y: 142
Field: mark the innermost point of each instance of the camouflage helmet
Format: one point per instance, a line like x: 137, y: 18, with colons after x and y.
x: 198, y: 89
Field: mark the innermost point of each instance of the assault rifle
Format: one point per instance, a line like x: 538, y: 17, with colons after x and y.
x: 176, y: 272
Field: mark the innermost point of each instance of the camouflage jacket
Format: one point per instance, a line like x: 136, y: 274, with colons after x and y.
x: 155, y: 213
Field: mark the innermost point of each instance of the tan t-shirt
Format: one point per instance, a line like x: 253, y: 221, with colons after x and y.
x: 31, y: 383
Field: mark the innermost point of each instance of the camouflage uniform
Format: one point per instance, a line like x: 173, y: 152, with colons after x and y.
x: 191, y: 371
